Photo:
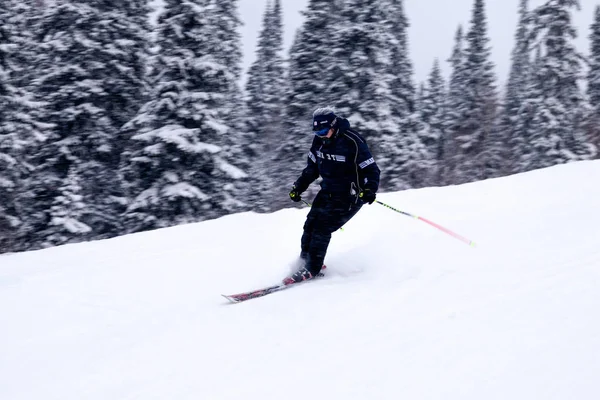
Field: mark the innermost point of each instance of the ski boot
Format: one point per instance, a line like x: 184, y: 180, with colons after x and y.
x: 301, y: 275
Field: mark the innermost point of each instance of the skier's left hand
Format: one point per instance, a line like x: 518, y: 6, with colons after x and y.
x: 367, y: 196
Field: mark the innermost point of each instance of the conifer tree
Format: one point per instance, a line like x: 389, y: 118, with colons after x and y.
x: 358, y: 55
x: 362, y: 77
x: 527, y: 119
x: 67, y: 211
x: 265, y: 93
x: 433, y: 97
x: 432, y: 112
x: 559, y: 136
x: 265, y: 87
x: 402, y: 130
x: 371, y: 77
x: 420, y: 96
x: 20, y: 131
x: 593, y: 87
x: 129, y: 87
x: 8, y: 143
x: 455, y: 108
x: 515, y: 90
x: 92, y: 54
x: 402, y: 86
x: 593, y: 82
x: 520, y: 63
x: 309, y: 61
x: 179, y: 166
x: 308, y: 87
x: 478, y: 114
x: 362, y: 81
x: 235, y: 156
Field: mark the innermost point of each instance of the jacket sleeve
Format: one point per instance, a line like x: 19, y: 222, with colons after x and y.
x: 368, y: 171
x: 309, y: 174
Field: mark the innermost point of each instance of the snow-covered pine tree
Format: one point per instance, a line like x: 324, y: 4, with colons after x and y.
x: 235, y: 159
x: 256, y: 77
x: 402, y: 86
x: 593, y: 87
x: 309, y: 61
x: 362, y: 66
x: 527, y: 119
x: 420, y: 95
x: 402, y: 132
x: 127, y: 86
x: 265, y: 91
x: 20, y: 132
x: 68, y: 210
x: 593, y: 82
x: 492, y: 159
x: 178, y: 169
x: 226, y: 16
x: 515, y: 91
x: 520, y: 63
x: 478, y: 115
x: 455, y: 108
x: 227, y: 35
x: 92, y: 57
x: 307, y: 88
x: 433, y: 98
x: 9, y: 144
x: 559, y: 136
x: 371, y: 78
x: 361, y: 76
x: 431, y: 111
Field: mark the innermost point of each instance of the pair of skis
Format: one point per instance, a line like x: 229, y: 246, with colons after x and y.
x: 238, y: 298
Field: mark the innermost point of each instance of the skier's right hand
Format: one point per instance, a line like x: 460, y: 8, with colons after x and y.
x: 295, y: 194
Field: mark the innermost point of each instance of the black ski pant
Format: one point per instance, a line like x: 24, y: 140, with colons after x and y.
x: 329, y: 212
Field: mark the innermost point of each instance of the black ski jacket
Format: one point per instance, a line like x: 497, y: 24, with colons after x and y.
x: 344, y: 162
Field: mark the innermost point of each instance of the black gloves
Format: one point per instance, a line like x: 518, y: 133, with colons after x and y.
x: 295, y: 194
x: 367, y: 196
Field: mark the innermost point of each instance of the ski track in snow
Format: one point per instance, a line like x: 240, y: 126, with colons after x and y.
x: 404, y: 311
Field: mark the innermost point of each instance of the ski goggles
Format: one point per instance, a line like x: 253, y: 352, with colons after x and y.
x: 322, y: 132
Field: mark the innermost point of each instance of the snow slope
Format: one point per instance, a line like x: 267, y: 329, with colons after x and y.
x: 405, y: 311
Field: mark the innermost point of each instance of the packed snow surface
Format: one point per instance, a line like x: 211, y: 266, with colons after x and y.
x: 405, y: 311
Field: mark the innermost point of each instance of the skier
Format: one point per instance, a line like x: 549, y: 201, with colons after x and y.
x: 350, y: 178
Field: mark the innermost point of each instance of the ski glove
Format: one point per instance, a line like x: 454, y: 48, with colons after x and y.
x: 295, y: 194
x: 367, y: 196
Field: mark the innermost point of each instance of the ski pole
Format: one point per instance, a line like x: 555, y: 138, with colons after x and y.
x: 446, y: 230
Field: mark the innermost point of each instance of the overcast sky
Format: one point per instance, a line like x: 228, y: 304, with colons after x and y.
x: 431, y: 34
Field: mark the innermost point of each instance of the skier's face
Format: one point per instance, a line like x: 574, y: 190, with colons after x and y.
x: 324, y: 133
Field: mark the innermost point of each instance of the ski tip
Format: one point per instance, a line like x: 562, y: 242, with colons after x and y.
x: 231, y: 299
